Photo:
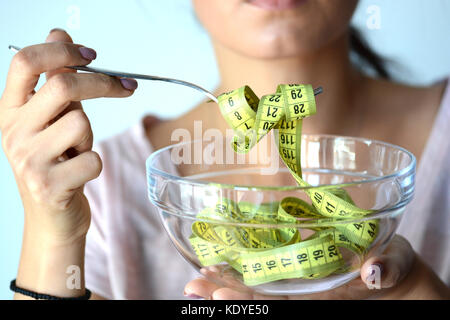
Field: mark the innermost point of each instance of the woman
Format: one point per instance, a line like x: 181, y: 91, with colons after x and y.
x: 262, y: 43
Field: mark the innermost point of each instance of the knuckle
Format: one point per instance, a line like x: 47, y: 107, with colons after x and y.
x: 35, y: 179
x: 106, y: 83
x: 61, y: 85
x: 24, y: 167
x: 39, y: 187
x: 79, y: 122
x: 13, y: 147
x: 402, y: 245
x: 6, y: 122
x: 392, y: 277
x: 22, y: 60
x: 64, y: 50
x: 400, y: 239
x: 25, y: 160
x: 2, y: 120
x: 6, y: 141
x: 59, y: 204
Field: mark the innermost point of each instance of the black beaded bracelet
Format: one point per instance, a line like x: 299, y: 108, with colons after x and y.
x: 41, y: 296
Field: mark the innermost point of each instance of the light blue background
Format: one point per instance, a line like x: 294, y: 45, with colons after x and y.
x: 163, y: 38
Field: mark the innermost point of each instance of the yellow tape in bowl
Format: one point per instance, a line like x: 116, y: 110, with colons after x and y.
x: 263, y: 255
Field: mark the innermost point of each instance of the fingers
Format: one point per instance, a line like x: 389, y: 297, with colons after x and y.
x: 200, y: 288
x: 54, y: 36
x: 72, y: 130
x: 62, y: 88
x: 50, y: 184
x: 392, y: 266
x: 58, y: 34
x: 30, y: 62
x: 230, y: 294
x: 87, y: 166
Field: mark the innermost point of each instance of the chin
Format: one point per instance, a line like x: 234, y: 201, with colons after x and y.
x: 252, y: 29
x: 275, y: 44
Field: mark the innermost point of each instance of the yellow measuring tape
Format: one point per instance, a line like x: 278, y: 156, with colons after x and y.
x: 265, y: 254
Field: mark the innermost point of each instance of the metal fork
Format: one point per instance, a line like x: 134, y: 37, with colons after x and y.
x: 147, y: 77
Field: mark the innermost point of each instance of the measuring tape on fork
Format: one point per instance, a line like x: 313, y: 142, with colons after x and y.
x: 263, y: 255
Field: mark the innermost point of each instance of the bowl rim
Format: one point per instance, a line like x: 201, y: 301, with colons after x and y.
x: 409, y: 169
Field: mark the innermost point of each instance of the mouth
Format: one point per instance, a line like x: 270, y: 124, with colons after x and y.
x: 276, y: 4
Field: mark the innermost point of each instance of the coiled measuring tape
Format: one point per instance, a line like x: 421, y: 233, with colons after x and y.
x: 260, y: 254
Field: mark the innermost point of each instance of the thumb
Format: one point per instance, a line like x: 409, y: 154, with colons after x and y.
x: 58, y: 34
x: 390, y: 267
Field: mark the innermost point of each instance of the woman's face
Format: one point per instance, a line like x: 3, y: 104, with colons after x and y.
x: 275, y: 28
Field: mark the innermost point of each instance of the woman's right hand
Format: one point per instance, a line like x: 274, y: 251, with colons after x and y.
x: 47, y: 137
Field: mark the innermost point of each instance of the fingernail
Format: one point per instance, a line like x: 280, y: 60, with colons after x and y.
x: 192, y: 296
x: 88, y: 53
x: 129, y: 84
x: 376, y: 267
x: 57, y: 29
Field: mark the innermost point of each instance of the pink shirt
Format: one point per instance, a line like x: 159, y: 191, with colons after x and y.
x: 129, y: 255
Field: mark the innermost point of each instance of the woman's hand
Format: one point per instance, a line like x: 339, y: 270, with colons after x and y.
x: 47, y: 139
x: 402, y: 276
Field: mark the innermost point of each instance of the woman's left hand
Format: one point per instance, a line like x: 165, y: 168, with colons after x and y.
x: 402, y: 276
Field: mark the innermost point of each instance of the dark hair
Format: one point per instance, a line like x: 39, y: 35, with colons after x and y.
x: 366, y: 54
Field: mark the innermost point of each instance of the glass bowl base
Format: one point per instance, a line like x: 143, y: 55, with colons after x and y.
x: 226, y: 276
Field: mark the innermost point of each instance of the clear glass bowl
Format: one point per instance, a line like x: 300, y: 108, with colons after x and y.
x: 187, y: 178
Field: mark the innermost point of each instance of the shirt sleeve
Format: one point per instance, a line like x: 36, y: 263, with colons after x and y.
x: 96, y: 257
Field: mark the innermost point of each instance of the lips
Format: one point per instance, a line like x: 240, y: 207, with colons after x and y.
x: 276, y: 4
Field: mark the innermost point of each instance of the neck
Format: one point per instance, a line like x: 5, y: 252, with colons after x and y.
x: 330, y: 67
x: 326, y: 67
